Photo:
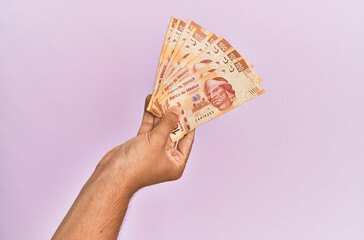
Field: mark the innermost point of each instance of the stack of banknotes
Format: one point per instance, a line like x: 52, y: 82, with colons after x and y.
x: 201, y: 73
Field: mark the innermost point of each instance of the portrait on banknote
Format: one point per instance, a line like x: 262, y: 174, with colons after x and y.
x: 219, y: 92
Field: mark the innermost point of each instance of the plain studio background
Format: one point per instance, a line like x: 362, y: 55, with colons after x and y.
x: 286, y: 165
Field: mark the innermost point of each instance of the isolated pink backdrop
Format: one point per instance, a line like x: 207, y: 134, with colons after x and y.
x: 287, y: 165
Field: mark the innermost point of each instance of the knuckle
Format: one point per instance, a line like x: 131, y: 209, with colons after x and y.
x: 148, y: 97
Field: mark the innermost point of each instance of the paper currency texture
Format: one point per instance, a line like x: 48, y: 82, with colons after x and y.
x: 201, y: 73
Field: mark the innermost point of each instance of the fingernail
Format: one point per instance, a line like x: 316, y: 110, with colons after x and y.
x: 176, y: 110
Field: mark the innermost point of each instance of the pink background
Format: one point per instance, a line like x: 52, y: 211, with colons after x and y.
x: 287, y: 165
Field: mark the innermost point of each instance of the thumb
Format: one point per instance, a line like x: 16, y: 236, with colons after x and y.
x: 168, y: 122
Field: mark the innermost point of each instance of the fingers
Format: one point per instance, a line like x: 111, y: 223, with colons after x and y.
x: 169, y: 141
x: 148, y: 118
x: 185, y: 144
x: 168, y: 122
x: 156, y: 121
x: 170, y: 144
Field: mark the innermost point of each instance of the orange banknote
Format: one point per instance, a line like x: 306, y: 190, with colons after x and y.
x: 207, y: 69
x: 201, y: 73
x: 215, y: 56
x: 214, y: 94
x: 166, y: 63
x: 171, y: 26
x: 177, y: 30
x: 193, y: 43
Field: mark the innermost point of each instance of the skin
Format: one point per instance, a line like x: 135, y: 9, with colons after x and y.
x: 147, y: 159
x: 218, y: 97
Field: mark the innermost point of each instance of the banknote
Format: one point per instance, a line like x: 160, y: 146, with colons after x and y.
x: 194, y: 52
x: 181, y: 32
x: 203, y: 74
x: 213, y: 61
x: 214, y: 56
x: 171, y: 26
x: 189, y: 50
x: 177, y: 30
x: 194, y: 44
x: 190, y: 80
x: 214, y: 94
x: 187, y: 31
x: 182, y: 43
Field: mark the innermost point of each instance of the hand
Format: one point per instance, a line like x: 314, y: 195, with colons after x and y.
x: 146, y: 159
x: 151, y: 157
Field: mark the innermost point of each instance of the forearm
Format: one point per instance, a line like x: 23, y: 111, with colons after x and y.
x: 100, y: 207
x: 149, y: 158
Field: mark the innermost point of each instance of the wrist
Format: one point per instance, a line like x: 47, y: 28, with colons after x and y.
x: 114, y: 173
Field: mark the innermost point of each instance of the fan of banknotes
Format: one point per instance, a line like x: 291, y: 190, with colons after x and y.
x: 201, y: 73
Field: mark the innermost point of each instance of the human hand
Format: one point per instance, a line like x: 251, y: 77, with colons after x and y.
x: 151, y: 157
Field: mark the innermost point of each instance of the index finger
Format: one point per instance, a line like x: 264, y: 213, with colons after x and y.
x: 184, y: 145
x: 148, y: 118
